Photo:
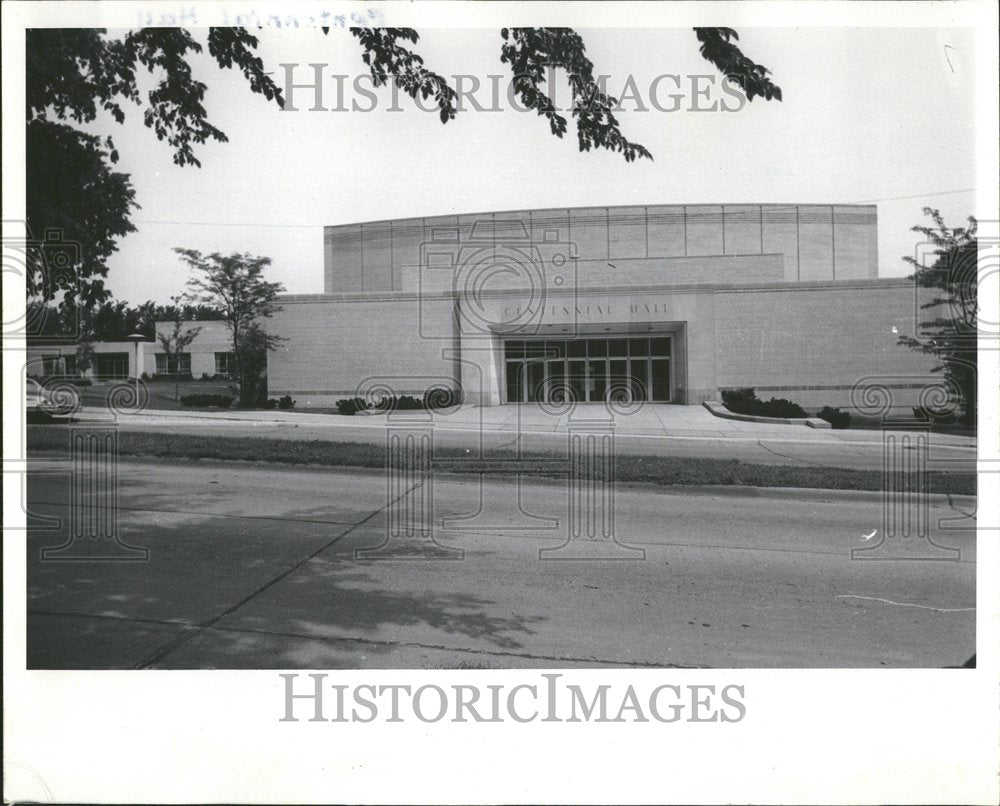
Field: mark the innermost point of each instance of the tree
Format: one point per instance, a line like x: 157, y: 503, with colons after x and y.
x: 111, y: 320
x: 235, y: 284
x: 73, y: 75
x: 84, y: 356
x: 175, y: 343
x: 253, y: 360
x: 950, y: 336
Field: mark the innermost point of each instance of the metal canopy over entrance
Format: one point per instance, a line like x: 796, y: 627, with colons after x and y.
x: 587, y: 369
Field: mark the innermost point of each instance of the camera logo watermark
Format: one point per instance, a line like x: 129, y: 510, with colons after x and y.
x: 47, y: 266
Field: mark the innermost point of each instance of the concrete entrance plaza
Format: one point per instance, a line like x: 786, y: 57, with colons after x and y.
x: 649, y: 429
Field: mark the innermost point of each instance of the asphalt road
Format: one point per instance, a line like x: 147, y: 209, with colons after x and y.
x: 258, y: 568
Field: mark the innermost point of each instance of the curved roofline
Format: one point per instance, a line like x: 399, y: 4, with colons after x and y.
x: 598, y: 207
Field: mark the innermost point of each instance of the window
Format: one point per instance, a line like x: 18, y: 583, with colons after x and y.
x: 173, y: 364
x: 660, y: 346
x: 591, y: 368
x: 111, y: 366
x: 638, y: 348
x: 225, y: 364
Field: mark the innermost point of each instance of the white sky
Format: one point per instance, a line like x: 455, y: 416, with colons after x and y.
x: 868, y: 114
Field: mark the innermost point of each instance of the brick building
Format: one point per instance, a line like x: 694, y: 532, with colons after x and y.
x: 662, y: 303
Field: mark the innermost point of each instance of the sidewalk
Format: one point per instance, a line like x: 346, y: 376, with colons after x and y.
x: 654, y: 420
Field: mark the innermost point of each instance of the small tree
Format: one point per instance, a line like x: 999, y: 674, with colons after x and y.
x: 84, y: 356
x: 175, y: 343
x: 235, y: 284
x: 951, y: 335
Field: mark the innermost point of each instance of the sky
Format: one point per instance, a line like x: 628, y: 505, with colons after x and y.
x: 869, y: 115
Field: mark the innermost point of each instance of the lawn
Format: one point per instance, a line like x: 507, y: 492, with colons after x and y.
x: 161, y: 392
x: 660, y: 470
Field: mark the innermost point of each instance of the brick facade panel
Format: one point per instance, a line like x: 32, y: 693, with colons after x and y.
x: 333, y: 345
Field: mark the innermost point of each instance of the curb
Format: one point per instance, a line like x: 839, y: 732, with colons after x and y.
x: 817, y: 494
x: 719, y: 410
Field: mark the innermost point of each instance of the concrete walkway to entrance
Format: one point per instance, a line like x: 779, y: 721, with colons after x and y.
x: 651, y: 430
x: 647, y: 419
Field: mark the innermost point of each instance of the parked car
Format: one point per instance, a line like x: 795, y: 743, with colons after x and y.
x: 40, y: 402
x: 36, y: 399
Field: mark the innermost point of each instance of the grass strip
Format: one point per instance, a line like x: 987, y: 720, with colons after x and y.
x: 661, y: 470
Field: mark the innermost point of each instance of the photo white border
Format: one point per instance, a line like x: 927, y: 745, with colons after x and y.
x: 814, y: 736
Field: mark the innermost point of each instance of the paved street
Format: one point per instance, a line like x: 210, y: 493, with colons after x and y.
x: 257, y: 568
x: 653, y: 429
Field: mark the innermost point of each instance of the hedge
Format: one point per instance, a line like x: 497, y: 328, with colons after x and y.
x: 222, y: 401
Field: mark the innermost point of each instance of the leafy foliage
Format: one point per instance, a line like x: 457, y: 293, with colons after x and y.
x: 72, y: 192
x: 114, y: 320
x: 531, y: 53
x: 235, y: 285
x: 222, y: 401
x: 352, y: 405
x: 718, y: 48
x: 176, y: 342
x: 835, y: 417
x: 951, y: 335
x: 386, y: 58
x: 745, y: 401
x: 73, y: 75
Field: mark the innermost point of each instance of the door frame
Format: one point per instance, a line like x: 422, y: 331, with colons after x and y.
x: 588, y: 361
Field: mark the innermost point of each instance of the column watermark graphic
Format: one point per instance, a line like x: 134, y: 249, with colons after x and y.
x: 907, y: 531
x: 93, y: 505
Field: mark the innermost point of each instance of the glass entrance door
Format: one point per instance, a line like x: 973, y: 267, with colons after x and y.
x: 589, y: 370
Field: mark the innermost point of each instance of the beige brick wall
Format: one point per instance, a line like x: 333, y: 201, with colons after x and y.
x: 336, y: 346
x: 813, y: 344
x: 809, y: 342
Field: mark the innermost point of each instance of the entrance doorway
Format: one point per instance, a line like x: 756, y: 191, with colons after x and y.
x: 587, y: 370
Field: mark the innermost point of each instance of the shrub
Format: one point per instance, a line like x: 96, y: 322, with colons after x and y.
x: 745, y: 401
x: 739, y: 400
x: 351, y: 405
x: 285, y: 402
x: 441, y: 398
x: 835, y: 417
x: 436, y: 398
x: 394, y: 403
x: 780, y: 407
x: 270, y: 403
x: 929, y: 415
x: 207, y: 400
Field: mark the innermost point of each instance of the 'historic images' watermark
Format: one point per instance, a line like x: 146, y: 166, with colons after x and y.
x: 314, y: 698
